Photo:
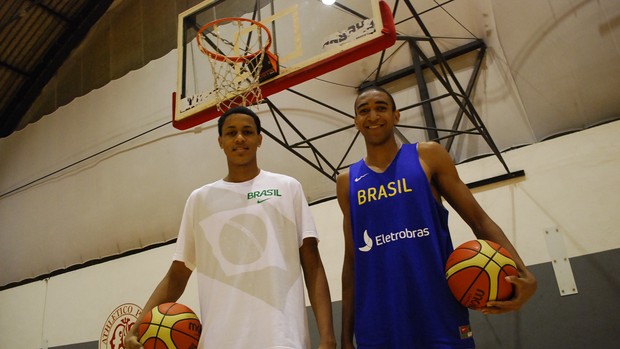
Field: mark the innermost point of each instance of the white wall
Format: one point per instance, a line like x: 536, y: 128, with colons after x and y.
x: 126, y: 194
x: 571, y: 182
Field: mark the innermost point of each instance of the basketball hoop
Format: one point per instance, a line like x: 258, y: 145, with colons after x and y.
x: 239, y: 56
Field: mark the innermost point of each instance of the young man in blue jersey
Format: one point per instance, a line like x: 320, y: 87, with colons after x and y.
x: 394, y: 292
x: 252, y: 241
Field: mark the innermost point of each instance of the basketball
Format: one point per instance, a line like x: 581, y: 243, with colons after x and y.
x: 170, y: 326
x: 476, y: 270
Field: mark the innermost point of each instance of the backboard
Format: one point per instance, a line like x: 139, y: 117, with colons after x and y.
x: 308, y: 39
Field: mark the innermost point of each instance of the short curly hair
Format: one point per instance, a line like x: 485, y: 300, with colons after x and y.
x: 374, y: 88
x: 238, y: 110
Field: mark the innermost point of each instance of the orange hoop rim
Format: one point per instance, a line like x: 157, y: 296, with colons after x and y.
x: 236, y: 59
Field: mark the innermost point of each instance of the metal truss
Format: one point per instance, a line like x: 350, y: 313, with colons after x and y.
x: 444, y: 74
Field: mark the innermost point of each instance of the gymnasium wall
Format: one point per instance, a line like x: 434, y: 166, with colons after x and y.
x: 570, y: 184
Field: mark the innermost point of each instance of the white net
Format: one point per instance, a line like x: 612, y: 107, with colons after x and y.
x: 236, y: 49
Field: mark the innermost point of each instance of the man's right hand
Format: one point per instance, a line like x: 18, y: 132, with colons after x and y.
x: 131, y: 341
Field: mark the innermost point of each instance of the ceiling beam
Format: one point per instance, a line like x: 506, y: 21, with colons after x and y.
x: 54, y: 59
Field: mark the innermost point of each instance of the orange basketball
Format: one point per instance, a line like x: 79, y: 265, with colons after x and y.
x: 170, y: 326
x: 476, y: 270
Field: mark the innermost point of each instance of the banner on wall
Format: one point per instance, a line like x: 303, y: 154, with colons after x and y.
x: 117, y: 325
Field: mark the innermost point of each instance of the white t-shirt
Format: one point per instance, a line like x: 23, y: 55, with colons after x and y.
x: 243, y: 241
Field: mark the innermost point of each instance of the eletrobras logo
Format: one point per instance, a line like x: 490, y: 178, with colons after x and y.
x: 117, y: 325
x: 387, y: 238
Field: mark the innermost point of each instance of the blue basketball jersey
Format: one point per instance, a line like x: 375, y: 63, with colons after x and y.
x: 401, y: 242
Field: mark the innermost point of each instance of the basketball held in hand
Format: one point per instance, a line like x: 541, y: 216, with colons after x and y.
x: 476, y: 273
x: 170, y: 326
